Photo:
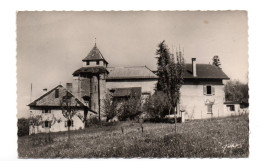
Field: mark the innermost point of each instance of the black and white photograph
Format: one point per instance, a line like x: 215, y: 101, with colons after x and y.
x: 132, y: 84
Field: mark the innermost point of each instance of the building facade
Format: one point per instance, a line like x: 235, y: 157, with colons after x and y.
x: 202, y: 95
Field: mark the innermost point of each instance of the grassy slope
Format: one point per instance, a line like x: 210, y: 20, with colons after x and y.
x: 225, y: 137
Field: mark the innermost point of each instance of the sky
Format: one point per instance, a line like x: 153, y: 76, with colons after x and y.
x: 51, y: 45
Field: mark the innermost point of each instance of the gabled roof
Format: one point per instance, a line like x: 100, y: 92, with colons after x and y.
x: 48, y: 99
x: 126, y: 92
x: 136, y: 72
x: 92, y: 70
x: 205, y: 71
x: 94, y: 54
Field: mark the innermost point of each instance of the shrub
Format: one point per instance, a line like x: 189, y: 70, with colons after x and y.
x: 158, y: 105
x: 23, y: 127
x: 93, y: 121
x: 130, y: 109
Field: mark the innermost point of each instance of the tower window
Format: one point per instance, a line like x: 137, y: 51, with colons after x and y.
x: 87, y: 62
x: 97, y: 62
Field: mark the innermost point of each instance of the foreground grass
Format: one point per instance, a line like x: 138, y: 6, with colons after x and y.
x: 224, y: 137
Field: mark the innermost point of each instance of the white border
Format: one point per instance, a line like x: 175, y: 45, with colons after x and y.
x: 8, y: 144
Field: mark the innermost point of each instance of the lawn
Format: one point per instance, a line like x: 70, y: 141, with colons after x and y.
x: 222, y: 137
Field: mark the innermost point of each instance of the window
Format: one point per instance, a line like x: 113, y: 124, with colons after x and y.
x: 231, y: 107
x: 69, y: 123
x: 87, y: 62
x: 209, y: 108
x: 208, y: 90
x: 56, y: 93
x: 97, y: 62
x: 46, y: 110
x: 46, y: 124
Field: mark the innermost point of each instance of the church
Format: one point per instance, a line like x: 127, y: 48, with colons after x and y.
x: 202, y: 95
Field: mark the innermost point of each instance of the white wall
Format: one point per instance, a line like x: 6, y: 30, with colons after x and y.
x: 193, y: 101
x: 238, y: 110
x: 147, y: 85
x: 78, y: 124
x: 93, y: 63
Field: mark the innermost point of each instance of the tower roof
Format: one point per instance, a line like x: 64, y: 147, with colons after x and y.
x: 94, y: 54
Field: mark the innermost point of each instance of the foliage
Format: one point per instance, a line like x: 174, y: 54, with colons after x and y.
x: 236, y: 91
x: 216, y: 61
x: 219, y: 138
x: 110, y: 107
x: 130, y: 108
x: 23, y: 127
x: 170, y: 73
x: 163, y: 59
x: 157, y: 106
x: 69, y: 109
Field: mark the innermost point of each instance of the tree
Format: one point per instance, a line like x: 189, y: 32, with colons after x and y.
x: 163, y: 59
x: 216, y: 61
x: 236, y: 91
x: 69, y: 106
x: 130, y: 108
x: 157, y: 105
x: 35, y: 121
x: 170, y: 73
x: 110, y: 107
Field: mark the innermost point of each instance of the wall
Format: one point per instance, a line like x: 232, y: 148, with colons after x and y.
x: 193, y: 102
x: 93, y: 63
x: 238, y: 110
x: 147, y: 85
x: 78, y: 124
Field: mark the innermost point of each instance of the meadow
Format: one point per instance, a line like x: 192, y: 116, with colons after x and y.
x: 218, y: 138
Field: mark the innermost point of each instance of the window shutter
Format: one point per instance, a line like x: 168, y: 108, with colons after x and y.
x: 43, y: 124
x: 204, y: 90
x: 66, y: 123
x: 213, y: 90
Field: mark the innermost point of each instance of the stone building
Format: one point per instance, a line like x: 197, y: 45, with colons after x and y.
x: 202, y: 95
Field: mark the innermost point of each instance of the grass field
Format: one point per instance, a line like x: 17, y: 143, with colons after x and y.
x: 223, y: 137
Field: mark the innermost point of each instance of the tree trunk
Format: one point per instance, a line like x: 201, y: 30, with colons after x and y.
x: 49, y: 135
x: 175, y: 119
x: 68, y: 134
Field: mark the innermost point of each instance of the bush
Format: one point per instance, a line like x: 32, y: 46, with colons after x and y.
x: 158, y: 105
x: 23, y: 127
x: 130, y: 109
x: 93, y: 121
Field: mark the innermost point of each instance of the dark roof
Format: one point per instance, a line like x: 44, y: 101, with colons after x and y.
x: 206, y: 71
x: 125, y: 92
x: 93, y: 70
x: 136, y: 72
x: 47, y: 100
x: 94, y: 54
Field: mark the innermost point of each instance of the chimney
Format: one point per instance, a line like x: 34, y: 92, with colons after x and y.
x: 69, y: 86
x: 194, y: 66
x: 44, y: 90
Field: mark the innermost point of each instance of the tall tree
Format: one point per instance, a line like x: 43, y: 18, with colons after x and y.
x: 163, y: 59
x: 170, y: 73
x: 216, y: 61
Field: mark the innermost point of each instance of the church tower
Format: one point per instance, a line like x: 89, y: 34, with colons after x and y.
x: 89, y: 82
